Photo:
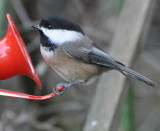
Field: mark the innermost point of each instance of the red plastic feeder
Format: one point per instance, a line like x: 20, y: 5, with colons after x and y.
x: 15, y: 60
x: 14, y: 57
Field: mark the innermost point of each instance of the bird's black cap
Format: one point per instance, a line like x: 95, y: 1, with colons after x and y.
x: 56, y: 22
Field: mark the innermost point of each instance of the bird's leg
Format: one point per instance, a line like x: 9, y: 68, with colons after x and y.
x: 61, y: 87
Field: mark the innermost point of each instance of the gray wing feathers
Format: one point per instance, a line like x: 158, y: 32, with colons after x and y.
x: 92, y: 55
x: 99, y: 57
x: 89, y: 53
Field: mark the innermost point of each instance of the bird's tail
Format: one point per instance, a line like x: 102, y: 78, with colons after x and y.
x: 136, y: 75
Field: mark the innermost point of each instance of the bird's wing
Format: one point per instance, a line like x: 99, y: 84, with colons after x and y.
x: 87, y: 52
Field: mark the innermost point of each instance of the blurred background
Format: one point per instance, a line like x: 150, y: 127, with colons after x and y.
x: 98, y: 18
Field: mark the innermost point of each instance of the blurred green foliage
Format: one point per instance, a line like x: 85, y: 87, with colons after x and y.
x: 126, y: 121
x: 119, y: 5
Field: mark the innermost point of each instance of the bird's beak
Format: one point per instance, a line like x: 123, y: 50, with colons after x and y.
x: 36, y: 26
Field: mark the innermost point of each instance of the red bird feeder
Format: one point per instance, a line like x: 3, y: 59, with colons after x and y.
x: 15, y: 60
x: 14, y: 57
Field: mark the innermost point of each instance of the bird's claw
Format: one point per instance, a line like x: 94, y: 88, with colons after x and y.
x: 60, y: 88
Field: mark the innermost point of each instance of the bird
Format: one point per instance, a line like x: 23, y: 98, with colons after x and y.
x: 73, y: 55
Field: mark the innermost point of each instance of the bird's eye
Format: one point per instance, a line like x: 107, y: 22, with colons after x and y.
x: 49, y: 27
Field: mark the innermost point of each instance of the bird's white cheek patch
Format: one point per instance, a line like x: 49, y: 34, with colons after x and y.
x: 60, y: 36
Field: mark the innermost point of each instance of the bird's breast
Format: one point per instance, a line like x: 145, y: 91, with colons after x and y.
x: 67, y: 67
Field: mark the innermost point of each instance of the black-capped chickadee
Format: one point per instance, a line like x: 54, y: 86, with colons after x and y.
x: 73, y: 55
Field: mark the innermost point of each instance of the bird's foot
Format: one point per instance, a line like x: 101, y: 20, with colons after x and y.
x: 61, y: 88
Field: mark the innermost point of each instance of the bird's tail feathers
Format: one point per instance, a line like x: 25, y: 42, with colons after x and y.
x: 137, y: 75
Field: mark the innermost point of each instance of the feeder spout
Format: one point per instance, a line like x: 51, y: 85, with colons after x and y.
x: 14, y: 57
